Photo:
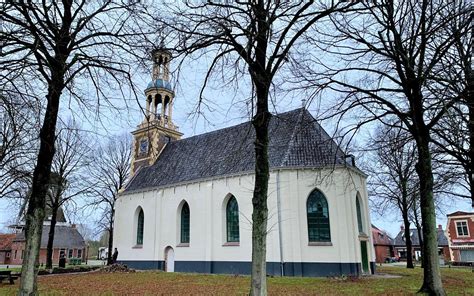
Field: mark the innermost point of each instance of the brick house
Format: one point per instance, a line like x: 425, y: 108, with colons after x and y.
x: 401, y: 250
x: 383, y: 244
x: 460, y: 232
x: 6, y: 241
x: 67, y: 241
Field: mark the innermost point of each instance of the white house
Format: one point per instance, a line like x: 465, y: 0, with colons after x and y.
x: 188, y: 205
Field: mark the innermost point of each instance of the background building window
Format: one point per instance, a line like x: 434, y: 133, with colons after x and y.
x: 69, y: 255
x: 461, y: 227
x: 232, y: 220
x: 318, y: 217
x: 185, y: 224
x: 140, y: 225
x: 79, y: 253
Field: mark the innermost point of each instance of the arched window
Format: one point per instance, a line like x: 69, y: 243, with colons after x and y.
x: 140, y: 225
x: 232, y: 220
x: 185, y: 223
x: 318, y: 217
x: 359, y: 215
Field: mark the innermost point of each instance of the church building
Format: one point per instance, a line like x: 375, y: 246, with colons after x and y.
x: 188, y: 205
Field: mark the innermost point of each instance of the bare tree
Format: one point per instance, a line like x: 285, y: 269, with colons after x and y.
x: 59, y: 43
x: 111, y: 170
x: 387, y: 64
x: 69, y: 177
x: 252, y: 38
x: 454, y: 134
x: 17, y: 145
x: 392, y: 181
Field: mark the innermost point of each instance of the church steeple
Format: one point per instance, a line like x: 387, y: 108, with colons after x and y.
x: 159, y: 92
x: 157, y: 127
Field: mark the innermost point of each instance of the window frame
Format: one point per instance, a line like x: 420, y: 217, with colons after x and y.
x: 185, y: 234
x: 235, y: 220
x: 70, y: 253
x: 467, y: 228
x: 140, y: 228
x: 312, y: 240
x: 359, y: 215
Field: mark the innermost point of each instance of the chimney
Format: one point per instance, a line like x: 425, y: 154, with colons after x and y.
x: 402, y: 227
x: 73, y: 225
x: 352, y: 159
x: 440, y: 227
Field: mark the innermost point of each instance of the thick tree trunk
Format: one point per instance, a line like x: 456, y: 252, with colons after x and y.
x: 432, y: 284
x: 36, y: 205
x: 470, y: 103
x: 49, y: 250
x: 261, y: 80
x: 259, y: 202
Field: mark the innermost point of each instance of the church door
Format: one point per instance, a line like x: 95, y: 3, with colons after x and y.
x: 365, y: 261
x: 169, y: 259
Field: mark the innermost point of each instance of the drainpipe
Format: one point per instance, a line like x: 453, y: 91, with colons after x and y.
x: 280, y: 235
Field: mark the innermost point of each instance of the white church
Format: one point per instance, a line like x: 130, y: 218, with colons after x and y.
x: 188, y: 205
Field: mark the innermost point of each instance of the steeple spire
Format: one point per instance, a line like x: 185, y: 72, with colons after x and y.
x: 159, y: 92
x: 157, y: 127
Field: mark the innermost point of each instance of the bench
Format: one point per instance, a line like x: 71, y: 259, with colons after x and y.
x: 7, y: 274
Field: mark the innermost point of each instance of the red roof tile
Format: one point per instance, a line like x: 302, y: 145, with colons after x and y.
x: 460, y: 213
x: 6, y: 241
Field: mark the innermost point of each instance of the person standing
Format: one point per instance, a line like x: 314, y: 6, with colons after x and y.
x: 114, y: 256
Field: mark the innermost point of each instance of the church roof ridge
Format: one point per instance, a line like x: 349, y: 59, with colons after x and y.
x: 237, y: 125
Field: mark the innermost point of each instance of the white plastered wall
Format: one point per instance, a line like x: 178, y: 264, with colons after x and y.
x: 207, y: 217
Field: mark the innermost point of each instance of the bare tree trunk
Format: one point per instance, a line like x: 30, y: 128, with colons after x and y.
x: 111, y: 239
x: 418, y: 228
x: 408, y: 242
x: 49, y: 250
x: 406, y: 222
x: 432, y: 284
x: 37, y: 202
x: 260, y: 209
x: 470, y: 104
x: 261, y: 80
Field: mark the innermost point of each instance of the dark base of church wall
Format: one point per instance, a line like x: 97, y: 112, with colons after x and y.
x: 305, y: 269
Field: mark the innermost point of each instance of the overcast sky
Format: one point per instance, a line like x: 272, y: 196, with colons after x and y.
x: 227, y: 107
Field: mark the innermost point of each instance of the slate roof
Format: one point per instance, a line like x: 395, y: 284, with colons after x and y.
x: 65, y: 236
x: 399, y: 239
x: 296, y: 140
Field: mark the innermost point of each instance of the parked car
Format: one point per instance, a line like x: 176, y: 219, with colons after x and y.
x: 390, y: 259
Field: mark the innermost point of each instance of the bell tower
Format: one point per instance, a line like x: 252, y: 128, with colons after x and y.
x: 157, y: 127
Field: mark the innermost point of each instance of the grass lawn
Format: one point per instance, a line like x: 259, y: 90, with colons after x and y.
x: 456, y: 281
